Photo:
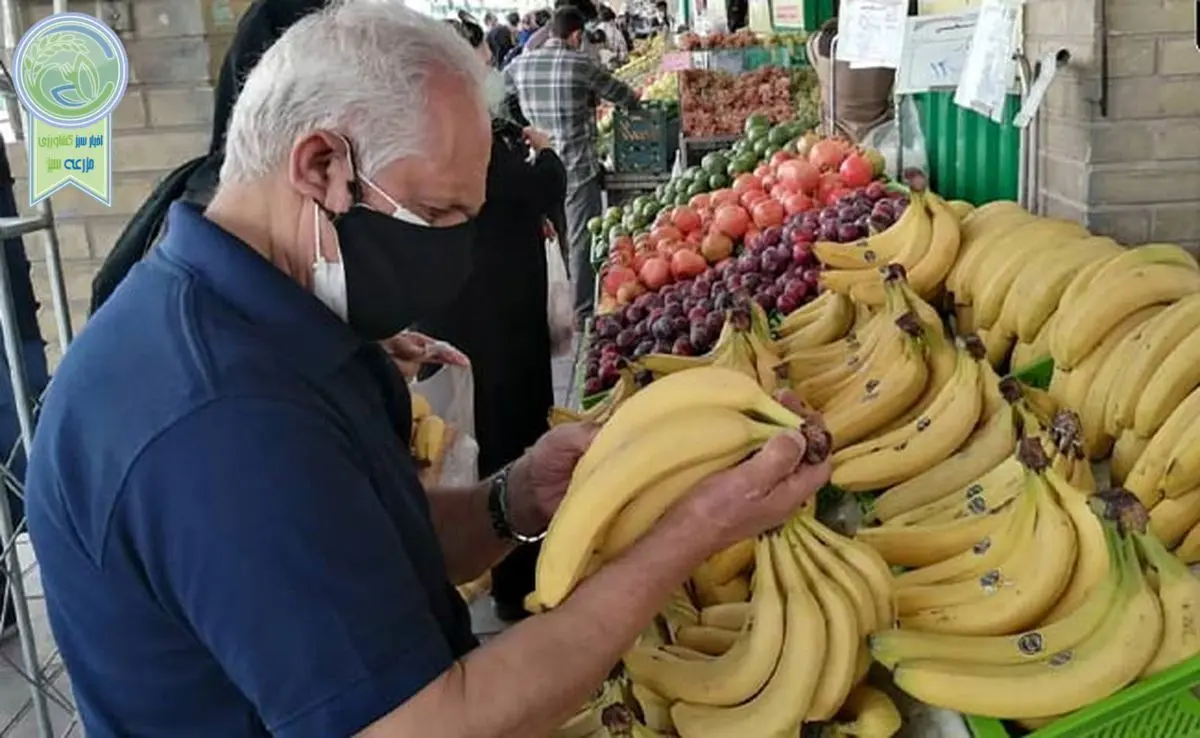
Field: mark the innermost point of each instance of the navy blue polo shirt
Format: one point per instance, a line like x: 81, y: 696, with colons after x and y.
x: 232, y: 538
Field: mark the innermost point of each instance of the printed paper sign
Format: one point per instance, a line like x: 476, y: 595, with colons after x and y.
x: 70, y: 72
x: 935, y: 51
x: 871, y: 33
x: 990, y: 67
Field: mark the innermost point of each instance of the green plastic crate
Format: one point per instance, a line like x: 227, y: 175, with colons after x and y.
x: 645, y: 139
x: 1166, y: 706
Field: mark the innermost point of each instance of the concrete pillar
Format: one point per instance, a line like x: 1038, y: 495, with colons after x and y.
x: 175, y: 48
x: 1134, y: 173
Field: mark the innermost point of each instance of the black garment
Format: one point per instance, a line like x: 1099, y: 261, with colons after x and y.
x: 263, y: 23
x: 261, y: 26
x: 499, y: 321
x: 501, y: 40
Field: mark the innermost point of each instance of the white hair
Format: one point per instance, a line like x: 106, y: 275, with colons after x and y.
x: 358, y: 67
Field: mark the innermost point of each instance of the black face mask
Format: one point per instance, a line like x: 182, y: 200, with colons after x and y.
x: 399, y: 272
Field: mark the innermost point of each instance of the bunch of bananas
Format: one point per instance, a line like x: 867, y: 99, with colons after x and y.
x: 1121, y: 325
x: 794, y: 653
x: 430, y: 437
x: 657, y: 445
x: 1027, y: 606
x: 899, y: 398
x: 925, y: 241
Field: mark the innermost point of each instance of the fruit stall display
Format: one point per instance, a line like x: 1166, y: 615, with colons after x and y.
x: 741, y: 39
x: 991, y: 571
x: 717, y: 103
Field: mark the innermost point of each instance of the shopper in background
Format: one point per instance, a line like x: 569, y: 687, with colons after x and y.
x: 662, y: 19
x: 527, y: 27
x: 499, y: 317
x: 232, y: 538
x: 500, y: 39
x: 616, y: 49
x: 545, y: 32
x: 558, y: 87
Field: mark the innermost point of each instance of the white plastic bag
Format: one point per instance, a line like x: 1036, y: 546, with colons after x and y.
x: 909, y: 153
x: 451, y: 394
x: 559, y: 311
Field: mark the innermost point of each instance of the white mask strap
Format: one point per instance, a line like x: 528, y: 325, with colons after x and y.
x: 318, y: 258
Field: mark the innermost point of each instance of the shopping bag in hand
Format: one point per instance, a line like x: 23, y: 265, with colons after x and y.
x: 559, y: 311
x: 444, y: 439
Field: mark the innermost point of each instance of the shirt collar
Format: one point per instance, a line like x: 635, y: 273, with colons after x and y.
x: 556, y: 43
x: 296, y: 323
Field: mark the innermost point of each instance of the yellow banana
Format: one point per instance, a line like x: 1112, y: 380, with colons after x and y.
x: 706, y: 639
x: 1168, y: 330
x: 892, y: 647
x: 847, y: 577
x: 1042, y: 285
x: 843, y: 641
x: 929, y: 272
x: 1081, y: 279
x: 430, y: 439
x: 420, y: 406
x: 1086, y: 322
x: 984, y: 555
x: 726, y: 565
x: 830, y: 325
x: 1176, y: 377
x: 806, y: 314
x: 1188, y: 550
x: 960, y: 208
x: 941, y: 356
x: 643, y: 511
x: 1126, y: 451
x: 730, y: 616
x: 1179, y: 595
x: 977, y: 245
x: 983, y: 451
x: 720, y: 387
x: 879, y: 394
x: 1145, y: 479
x: 1172, y: 518
x: 930, y: 439
x: 1015, y: 596
x: 787, y: 696
x: 1080, y: 380
x: 1182, y: 473
x: 864, y: 560
x: 672, y: 443
x: 735, y: 590
x: 1104, y: 662
x: 805, y: 363
x: 740, y: 672
x: 868, y: 713
x: 1113, y: 357
x: 923, y: 545
x: 661, y: 365
x: 1094, y: 559
x: 996, y: 274
x: 875, y: 251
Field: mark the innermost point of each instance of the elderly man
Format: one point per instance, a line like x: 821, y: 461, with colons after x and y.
x: 558, y: 86
x: 232, y: 537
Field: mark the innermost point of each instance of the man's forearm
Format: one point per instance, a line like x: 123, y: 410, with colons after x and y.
x: 528, y: 680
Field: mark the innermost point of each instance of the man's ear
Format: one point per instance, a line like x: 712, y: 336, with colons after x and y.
x: 320, y: 169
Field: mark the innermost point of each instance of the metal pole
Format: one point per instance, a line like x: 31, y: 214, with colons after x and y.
x: 12, y: 562
x: 12, y: 29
